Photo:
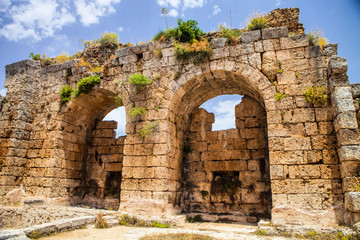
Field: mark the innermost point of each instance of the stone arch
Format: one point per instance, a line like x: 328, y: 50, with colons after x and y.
x: 91, y: 152
x: 192, y: 90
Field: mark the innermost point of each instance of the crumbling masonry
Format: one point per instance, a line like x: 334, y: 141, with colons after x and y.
x: 287, y: 160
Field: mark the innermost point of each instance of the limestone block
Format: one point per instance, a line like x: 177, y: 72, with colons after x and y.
x: 294, y: 41
x: 350, y: 168
x: 113, y: 167
x: 218, y: 43
x: 255, y: 60
x: 314, y: 156
x: 219, y: 53
x: 295, y: 186
x: 312, y: 52
x: 271, y: 45
x: 345, y: 120
x: 247, y: 197
x: 107, y: 124
x: 348, y: 137
x: 330, y: 49
x: 297, y: 143
x: 311, y: 128
x: 338, y: 65
x: 326, y: 128
x: 287, y: 157
x: 258, y: 46
x: 287, y: 77
x: 349, y: 153
x: 299, y: 115
x: 324, y: 114
x: 250, y: 36
x: 305, y: 201
x: 352, y: 201
x: 304, y: 171
x: 277, y: 172
x: 283, y: 55
x: 279, y: 200
x: 330, y: 156
x: 248, y: 177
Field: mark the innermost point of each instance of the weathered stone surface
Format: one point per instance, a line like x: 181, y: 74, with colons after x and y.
x: 349, y: 153
x: 251, y: 36
x: 218, y: 43
x: 352, y: 201
x: 338, y: 65
x: 269, y: 33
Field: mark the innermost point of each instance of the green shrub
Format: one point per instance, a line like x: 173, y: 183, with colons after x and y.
x: 196, y: 218
x: 316, y: 95
x: 232, y: 35
x: 86, y: 84
x: 139, y: 80
x: 147, y: 130
x: 66, y: 94
x: 126, y: 220
x: 101, y: 222
x: 257, y: 21
x: 196, y: 52
x: 118, y: 100
x: 138, y: 111
x: 35, y: 235
x: 109, y: 40
x: 34, y: 56
x: 185, y: 32
x: 48, y: 61
x: 280, y: 96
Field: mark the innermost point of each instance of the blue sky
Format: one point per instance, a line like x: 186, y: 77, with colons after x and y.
x: 54, y: 26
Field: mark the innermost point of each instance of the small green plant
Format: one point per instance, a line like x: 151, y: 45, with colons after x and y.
x: 280, y: 96
x: 232, y: 35
x: 118, y: 100
x: 357, y: 189
x: 282, y: 114
x: 138, y: 111
x: 280, y: 71
x: 140, y: 81
x: 109, y: 40
x: 257, y: 21
x: 147, y: 130
x: 297, y: 74
x: 157, y: 77
x: 85, y: 85
x: 316, y: 38
x: 34, y: 56
x: 66, y: 93
x: 260, y: 232
x: 159, y: 225
x: 48, y: 61
x: 101, y: 221
x: 156, y: 108
x: 316, y: 95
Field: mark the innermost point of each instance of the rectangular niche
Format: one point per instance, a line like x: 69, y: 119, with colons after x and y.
x: 225, y: 187
x: 113, y: 184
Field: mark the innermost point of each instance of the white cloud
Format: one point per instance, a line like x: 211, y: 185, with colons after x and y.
x: 180, y: 5
x: 3, y: 91
x: 224, y: 111
x: 4, y: 5
x: 35, y: 19
x: 118, y: 115
x: 277, y: 3
x: 120, y: 29
x: 216, y: 10
x: 173, y: 13
x: 91, y: 10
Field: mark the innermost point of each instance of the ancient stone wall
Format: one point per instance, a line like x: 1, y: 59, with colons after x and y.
x: 227, y: 172
x: 313, y: 149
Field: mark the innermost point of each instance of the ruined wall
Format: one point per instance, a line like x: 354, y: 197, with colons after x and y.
x: 104, y: 166
x: 227, y: 172
x: 313, y: 149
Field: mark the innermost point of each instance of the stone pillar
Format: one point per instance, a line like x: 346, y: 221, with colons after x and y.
x: 16, y: 118
x: 347, y: 133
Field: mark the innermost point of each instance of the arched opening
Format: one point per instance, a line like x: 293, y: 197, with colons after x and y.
x: 224, y: 174
x: 93, y: 152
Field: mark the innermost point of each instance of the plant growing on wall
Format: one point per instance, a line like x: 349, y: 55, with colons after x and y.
x: 109, y: 40
x: 280, y: 96
x: 316, y: 95
x: 196, y: 52
x: 34, y: 56
x: 147, y: 130
x: 232, y: 35
x: 118, y: 100
x: 316, y: 38
x: 140, y: 111
x: 140, y: 81
x: 66, y: 94
x: 257, y: 21
x: 85, y: 85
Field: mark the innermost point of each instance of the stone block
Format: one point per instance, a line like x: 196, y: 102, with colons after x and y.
x: 352, y: 201
x: 314, y: 156
x: 326, y: 128
x: 304, y: 171
x: 107, y: 125
x: 250, y: 36
x: 218, y: 43
x: 287, y: 157
x: 287, y: 77
x: 294, y: 42
x: 345, y: 120
x: 349, y: 153
x: 350, y: 168
x: 347, y: 137
x: 269, y: 33
x: 330, y: 49
x: 338, y: 65
x: 312, y: 52
x: 271, y: 45
x: 299, y: 115
x: 297, y: 143
x: 277, y: 172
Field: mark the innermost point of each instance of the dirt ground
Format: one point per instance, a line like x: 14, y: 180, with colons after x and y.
x: 215, y: 230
